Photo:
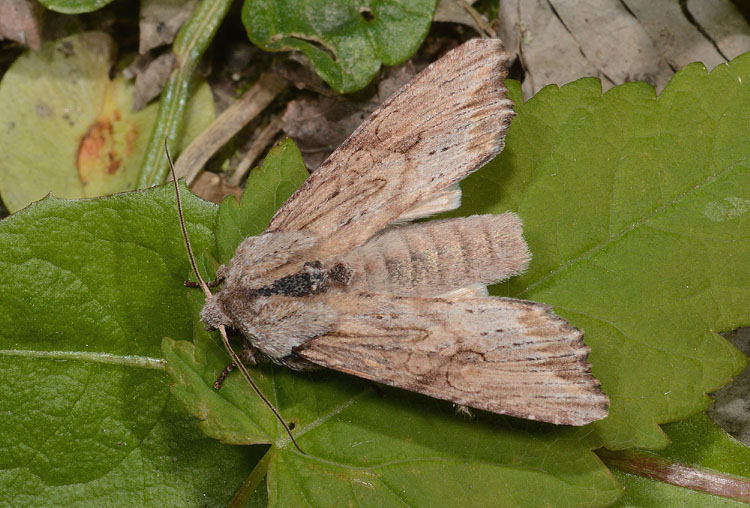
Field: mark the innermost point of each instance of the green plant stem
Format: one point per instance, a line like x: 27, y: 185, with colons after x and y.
x: 190, y: 44
x: 256, y: 476
x: 675, y: 473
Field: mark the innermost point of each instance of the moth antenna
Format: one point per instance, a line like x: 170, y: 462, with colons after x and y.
x: 222, y: 330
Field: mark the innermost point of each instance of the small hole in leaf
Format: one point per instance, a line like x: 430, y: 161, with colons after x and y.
x: 291, y: 425
x: 367, y: 14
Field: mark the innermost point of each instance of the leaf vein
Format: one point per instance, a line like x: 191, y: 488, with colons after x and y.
x: 323, y: 419
x: 91, y: 356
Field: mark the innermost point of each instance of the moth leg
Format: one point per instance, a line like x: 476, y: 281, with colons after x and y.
x: 210, y: 283
x: 375, y: 388
x: 224, y: 373
x: 298, y: 363
x: 464, y: 411
x: 221, y: 274
x: 247, y: 355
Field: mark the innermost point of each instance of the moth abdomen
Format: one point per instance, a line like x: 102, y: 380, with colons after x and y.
x: 435, y: 257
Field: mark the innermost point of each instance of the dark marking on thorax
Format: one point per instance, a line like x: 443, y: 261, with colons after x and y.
x: 313, y: 279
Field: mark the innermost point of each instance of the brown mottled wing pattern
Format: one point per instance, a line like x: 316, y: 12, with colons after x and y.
x: 431, y: 133
x: 502, y: 355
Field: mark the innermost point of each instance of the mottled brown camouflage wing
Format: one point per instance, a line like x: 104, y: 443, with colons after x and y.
x: 431, y: 133
x: 502, y: 355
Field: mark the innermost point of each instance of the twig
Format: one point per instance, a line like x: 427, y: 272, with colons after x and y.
x: 259, y: 145
x: 478, y: 19
x: 681, y: 475
x: 234, y: 118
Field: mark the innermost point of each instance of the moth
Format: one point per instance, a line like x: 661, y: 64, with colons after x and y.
x: 344, y: 278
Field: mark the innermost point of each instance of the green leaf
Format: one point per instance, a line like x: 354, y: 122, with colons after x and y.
x: 634, y: 208
x: 366, y: 446
x: 74, y: 6
x: 267, y: 188
x: 346, y: 41
x: 71, y: 129
x: 698, y: 442
x: 89, y: 288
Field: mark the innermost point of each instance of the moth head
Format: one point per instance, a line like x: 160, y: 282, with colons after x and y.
x: 214, y: 314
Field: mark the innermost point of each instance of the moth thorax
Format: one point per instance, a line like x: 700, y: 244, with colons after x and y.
x: 312, y: 279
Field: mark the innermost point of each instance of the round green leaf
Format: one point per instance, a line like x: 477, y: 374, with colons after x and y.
x: 346, y: 41
x: 74, y: 6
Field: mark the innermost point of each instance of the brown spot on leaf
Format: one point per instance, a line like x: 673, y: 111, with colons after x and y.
x: 114, y: 165
x: 43, y: 109
x: 99, y: 152
x: 131, y: 136
x: 66, y: 49
x: 92, y: 144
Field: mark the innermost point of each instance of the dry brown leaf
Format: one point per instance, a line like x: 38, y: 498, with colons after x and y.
x: 731, y: 404
x: 318, y: 124
x: 723, y: 24
x: 617, y: 41
x: 150, y: 75
x: 297, y: 69
x: 21, y: 21
x: 160, y: 20
x: 678, y: 40
x: 452, y: 11
x: 212, y: 187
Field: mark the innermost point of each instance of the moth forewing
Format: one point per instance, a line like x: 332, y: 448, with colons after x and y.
x: 498, y: 354
x: 444, y: 124
x: 340, y: 281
